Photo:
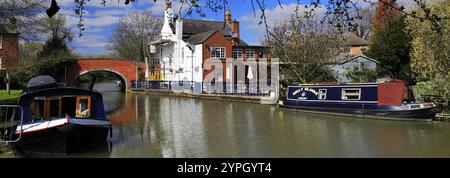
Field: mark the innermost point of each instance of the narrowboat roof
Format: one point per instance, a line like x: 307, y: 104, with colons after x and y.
x: 331, y: 84
x: 45, y: 85
x: 55, y: 91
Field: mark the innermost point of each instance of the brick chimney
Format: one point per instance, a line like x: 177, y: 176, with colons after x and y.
x: 234, y: 24
x: 235, y: 28
x: 236, y: 32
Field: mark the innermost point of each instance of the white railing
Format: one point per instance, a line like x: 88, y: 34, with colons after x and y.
x: 11, y: 117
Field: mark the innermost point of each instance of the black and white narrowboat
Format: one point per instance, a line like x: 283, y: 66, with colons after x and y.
x: 55, y: 118
x: 388, y: 100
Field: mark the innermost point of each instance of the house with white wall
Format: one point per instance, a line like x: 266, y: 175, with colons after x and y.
x: 185, y: 44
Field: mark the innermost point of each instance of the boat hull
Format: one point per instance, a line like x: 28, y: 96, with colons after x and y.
x: 418, y: 114
x: 61, y: 139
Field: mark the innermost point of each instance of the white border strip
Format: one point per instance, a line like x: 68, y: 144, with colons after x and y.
x: 335, y: 101
x: 37, y: 126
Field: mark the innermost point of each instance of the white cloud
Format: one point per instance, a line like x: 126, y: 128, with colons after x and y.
x: 91, y: 41
x: 101, y: 21
x: 119, y: 12
x: 157, y: 8
x: 89, y: 22
x: 93, y: 3
x: 90, y: 44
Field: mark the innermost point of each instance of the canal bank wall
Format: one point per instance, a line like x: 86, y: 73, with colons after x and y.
x: 220, y: 97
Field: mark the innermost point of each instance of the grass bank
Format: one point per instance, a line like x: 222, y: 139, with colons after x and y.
x: 6, y: 98
x: 9, y: 99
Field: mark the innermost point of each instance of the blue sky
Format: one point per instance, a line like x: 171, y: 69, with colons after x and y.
x: 100, y: 20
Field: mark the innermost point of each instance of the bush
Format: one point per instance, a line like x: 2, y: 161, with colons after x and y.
x: 360, y: 73
x: 51, y: 67
x: 438, y: 90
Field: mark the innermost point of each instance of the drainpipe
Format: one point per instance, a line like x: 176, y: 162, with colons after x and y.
x: 192, y: 48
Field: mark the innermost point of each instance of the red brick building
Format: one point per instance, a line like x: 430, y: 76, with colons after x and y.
x: 9, y: 46
x: 186, y: 44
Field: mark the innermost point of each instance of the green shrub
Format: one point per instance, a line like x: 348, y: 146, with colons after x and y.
x: 51, y: 67
x: 438, y: 88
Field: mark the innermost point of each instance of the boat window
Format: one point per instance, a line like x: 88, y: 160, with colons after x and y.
x: 351, y: 94
x: 54, y: 107
x: 322, y: 94
x: 37, y: 108
x: 69, y: 106
x: 83, y: 106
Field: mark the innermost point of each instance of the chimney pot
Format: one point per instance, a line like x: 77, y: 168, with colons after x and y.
x: 228, y: 16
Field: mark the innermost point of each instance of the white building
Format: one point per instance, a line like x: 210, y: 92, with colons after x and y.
x: 185, y: 44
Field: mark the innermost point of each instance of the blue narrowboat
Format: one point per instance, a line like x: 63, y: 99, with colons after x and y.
x: 57, y: 117
x: 388, y: 100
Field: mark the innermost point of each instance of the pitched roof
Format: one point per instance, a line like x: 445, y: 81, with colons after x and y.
x: 368, y: 58
x: 197, y: 31
x: 200, y: 38
x: 353, y: 40
x: 344, y: 58
x: 194, y: 26
x: 242, y: 43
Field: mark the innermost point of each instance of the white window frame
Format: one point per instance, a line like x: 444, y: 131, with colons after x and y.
x: 344, y: 94
x: 322, y: 94
x: 222, y: 52
x: 237, y: 51
x: 1, y: 41
x: 247, y: 51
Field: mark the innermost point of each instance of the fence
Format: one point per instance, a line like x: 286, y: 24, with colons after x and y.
x: 11, y: 117
x: 157, y: 85
x: 236, y: 88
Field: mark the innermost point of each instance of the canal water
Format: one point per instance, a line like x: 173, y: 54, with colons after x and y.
x: 160, y: 126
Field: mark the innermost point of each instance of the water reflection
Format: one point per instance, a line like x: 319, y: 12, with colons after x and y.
x: 156, y: 126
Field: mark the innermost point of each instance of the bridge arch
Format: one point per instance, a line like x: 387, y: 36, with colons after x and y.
x: 126, y: 69
x: 121, y: 76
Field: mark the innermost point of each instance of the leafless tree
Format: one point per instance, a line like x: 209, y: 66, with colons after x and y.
x: 338, y: 12
x: 363, y: 26
x: 23, y: 14
x: 305, y: 46
x: 132, y: 35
